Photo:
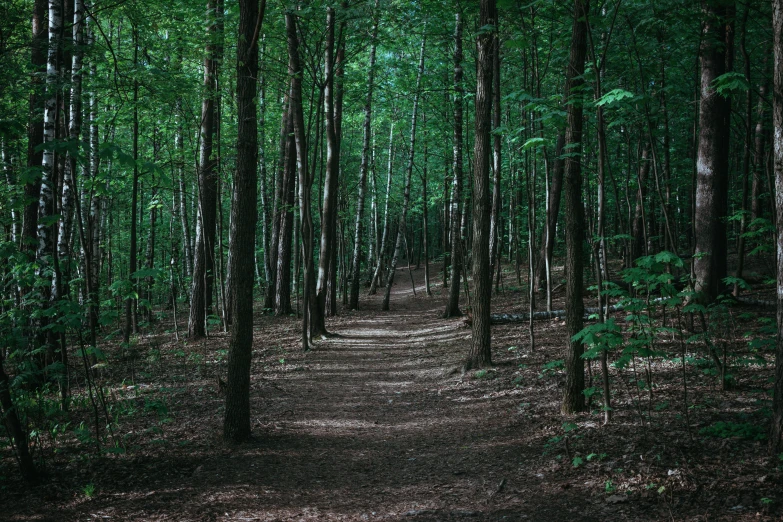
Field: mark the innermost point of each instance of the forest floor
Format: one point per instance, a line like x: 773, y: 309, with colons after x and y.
x: 378, y: 423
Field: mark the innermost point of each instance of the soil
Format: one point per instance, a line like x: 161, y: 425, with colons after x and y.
x: 378, y: 422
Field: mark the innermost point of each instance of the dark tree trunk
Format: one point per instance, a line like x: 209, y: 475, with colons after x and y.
x: 286, y: 228
x: 14, y: 427
x: 480, y: 353
x: 555, y: 191
x: 331, y: 182
x: 278, y: 206
x: 204, y: 258
x: 236, y: 423
x: 638, y: 234
x: 456, y: 259
x: 759, y: 156
x: 573, y: 399
x: 305, y: 180
x: 35, y: 129
x: 130, y: 303
x: 713, y: 155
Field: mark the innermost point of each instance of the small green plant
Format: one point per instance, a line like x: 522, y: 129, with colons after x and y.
x: 609, y: 486
x: 551, y: 368
x: 89, y: 490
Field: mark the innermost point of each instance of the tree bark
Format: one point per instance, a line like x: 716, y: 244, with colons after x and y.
x: 331, y: 181
x: 480, y: 354
x: 573, y: 399
x: 35, y: 128
x: 244, y: 210
x: 385, y: 234
x: 713, y: 155
x: 776, y: 435
x: 204, y: 255
x: 401, y: 229
x: 364, y: 167
x: 286, y: 226
x: 452, y: 306
x: 305, y: 180
x: 494, y: 227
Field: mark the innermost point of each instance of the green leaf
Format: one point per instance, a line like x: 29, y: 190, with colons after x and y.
x: 613, y: 96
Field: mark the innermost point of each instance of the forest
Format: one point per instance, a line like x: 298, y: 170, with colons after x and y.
x: 391, y: 260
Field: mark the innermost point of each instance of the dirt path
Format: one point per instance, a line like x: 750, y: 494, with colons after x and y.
x: 373, y: 424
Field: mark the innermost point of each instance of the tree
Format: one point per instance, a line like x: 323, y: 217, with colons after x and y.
x: 573, y: 399
x: 236, y: 423
x: 480, y: 353
x: 305, y: 179
x: 204, y: 259
x: 776, y: 438
x: 710, y: 265
x: 403, y: 223
x: 353, y: 303
x: 452, y: 306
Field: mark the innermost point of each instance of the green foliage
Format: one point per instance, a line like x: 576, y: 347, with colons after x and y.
x: 739, y: 430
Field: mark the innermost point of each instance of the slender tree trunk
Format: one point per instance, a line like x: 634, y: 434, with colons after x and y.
x: 35, y: 128
x: 331, y: 182
x: 204, y: 258
x: 244, y: 210
x: 457, y: 238
x: 638, y: 233
x: 494, y: 226
x: 759, y: 156
x: 305, y: 180
x: 131, y: 324
x: 712, y: 177
x: 385, y: 235
x: 553, y: 209
x: 747, y: 145
x: 278, y: 206
x: 480, y: 354
x: 573, y: 399
x: 401, y: 230
x: 353, y: 303
x: 286, y: 226
x: 424, y: 222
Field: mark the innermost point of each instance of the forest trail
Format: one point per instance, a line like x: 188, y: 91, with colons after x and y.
x: 372, y: 424
x: 375, y: 428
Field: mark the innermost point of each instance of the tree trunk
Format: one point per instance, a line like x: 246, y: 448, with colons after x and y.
x: 353, y: 303
x: 236, y: 423
x: 385, y: 235
x: 278, y: 206
x: 494, y: 226
x: 204, y: 255
x: 480, y: 354
x: 401, y: 230
x: 553, y: 209
x: 452, y: 306
x: 35, y: 128
x: 573, y: 399
x: 712, y: 176
x: 286, y: 227
x: 776, y: 436
x: 638, y: 234
x: 14, y: 426
x: 331, y: 181
x: 305, y: 180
